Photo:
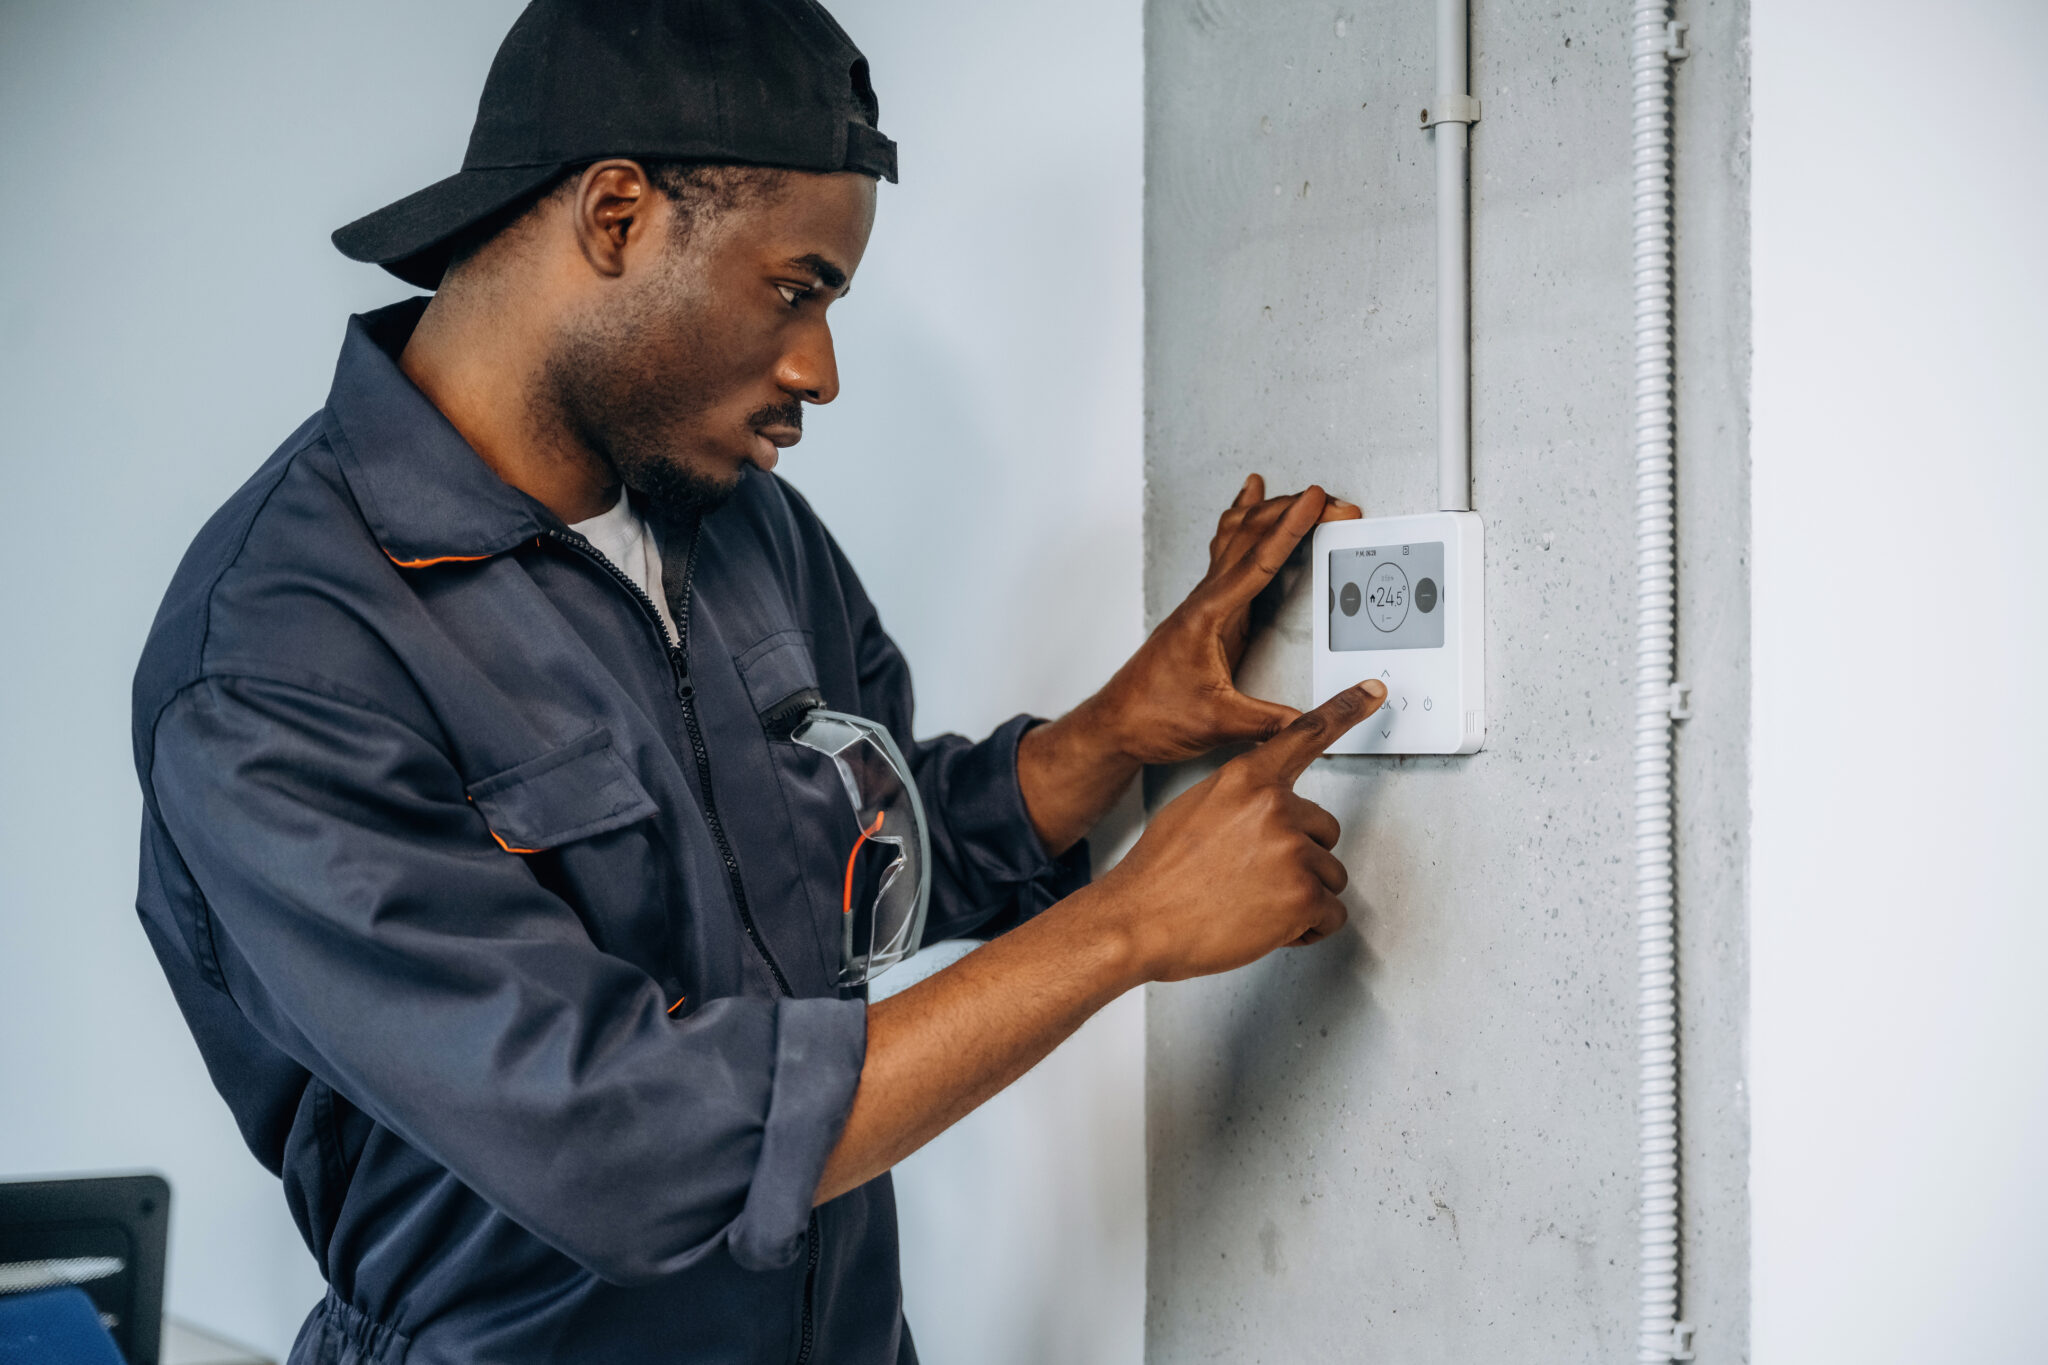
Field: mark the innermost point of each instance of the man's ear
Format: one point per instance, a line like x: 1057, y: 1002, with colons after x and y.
x: 615, y: 205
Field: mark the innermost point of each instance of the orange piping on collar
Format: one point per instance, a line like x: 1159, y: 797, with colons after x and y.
x: 509, y: 849
x: 443, y: 559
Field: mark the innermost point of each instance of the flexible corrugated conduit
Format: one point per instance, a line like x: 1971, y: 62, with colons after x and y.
x: 1654, y: 42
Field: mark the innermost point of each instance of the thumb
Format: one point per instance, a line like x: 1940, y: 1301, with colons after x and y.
x: 1256, y: 719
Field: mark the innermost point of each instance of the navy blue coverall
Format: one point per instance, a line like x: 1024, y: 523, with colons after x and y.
x: 438, y: 824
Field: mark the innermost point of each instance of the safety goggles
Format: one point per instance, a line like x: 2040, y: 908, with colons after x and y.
x: 886, y: 888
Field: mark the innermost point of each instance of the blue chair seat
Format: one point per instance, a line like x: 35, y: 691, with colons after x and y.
x: 53, y: 1327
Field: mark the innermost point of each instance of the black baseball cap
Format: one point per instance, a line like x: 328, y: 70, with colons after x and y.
x: 730, y: 82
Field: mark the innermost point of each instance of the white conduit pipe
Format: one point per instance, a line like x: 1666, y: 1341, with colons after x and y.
x: 1450, y: 115
x: 1661, y: 1336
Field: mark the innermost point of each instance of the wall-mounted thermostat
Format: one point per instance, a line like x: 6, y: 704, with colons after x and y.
x: 1400, y: 599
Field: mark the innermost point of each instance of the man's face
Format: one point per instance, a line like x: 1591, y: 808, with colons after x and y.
x: 697, y: 360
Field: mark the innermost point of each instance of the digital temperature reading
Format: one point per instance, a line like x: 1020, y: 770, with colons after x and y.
x: 1385, y: 597
x: 1404, y: 602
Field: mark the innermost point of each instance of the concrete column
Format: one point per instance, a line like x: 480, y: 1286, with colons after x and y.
x: 1416, y: 1142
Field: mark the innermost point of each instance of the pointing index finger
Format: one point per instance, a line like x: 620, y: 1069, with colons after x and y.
x: 1286, y: 756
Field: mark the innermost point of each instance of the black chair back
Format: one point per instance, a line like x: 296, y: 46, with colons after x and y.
x: 106, y: 1235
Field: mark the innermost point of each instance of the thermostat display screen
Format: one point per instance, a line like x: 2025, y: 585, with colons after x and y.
x: 1387, y: 597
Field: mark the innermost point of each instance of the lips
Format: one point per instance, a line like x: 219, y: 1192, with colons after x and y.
x: 769, y: 442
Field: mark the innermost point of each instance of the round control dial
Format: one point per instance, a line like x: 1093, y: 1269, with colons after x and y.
x: 1386, y: 597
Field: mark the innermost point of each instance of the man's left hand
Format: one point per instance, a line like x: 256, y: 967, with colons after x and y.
x: 1177, y: 698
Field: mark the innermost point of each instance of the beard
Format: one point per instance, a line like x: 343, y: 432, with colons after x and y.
x: 670, y: 490
x: 632, y: 386
x: 629, y: 419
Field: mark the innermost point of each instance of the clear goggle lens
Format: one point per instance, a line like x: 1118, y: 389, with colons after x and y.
x: 885, y: 887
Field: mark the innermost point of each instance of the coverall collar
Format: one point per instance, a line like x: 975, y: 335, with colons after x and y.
x: 427, y: 496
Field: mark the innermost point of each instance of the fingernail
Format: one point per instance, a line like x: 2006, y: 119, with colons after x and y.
x: 1373, y: 687
x: 1339, y: 502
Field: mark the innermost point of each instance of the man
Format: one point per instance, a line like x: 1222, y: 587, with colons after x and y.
x: 522, y: 818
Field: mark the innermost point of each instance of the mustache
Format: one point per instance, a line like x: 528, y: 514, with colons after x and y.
x: 790, y: 414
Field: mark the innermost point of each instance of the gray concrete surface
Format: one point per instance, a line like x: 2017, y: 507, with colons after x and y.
x: 1416, y: 1143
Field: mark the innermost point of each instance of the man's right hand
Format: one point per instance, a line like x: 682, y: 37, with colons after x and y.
x: 1234, y: 868
x: 1239, y: 865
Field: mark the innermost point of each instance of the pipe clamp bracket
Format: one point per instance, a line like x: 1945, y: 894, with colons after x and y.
x: 1676, y: 1339
x: 1451, y: 109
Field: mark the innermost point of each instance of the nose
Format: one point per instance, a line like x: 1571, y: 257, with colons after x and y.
x: 809, y: 370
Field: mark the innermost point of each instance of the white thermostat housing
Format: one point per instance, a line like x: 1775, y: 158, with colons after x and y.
x: 1401, y: 599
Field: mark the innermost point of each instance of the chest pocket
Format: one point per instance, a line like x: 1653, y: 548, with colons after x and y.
x: 582, y: 789
x: 782, y: 680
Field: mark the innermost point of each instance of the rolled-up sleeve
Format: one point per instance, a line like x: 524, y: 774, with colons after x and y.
x: 993, y: 871
x: 370, y: 929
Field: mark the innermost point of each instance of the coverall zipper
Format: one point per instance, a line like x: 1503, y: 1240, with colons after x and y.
x: 811, y: 1240
x: 686, y: 693
x: 677, y: 648
x: 678, y: 651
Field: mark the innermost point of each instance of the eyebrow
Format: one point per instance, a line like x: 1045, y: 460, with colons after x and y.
x: 829, y: 275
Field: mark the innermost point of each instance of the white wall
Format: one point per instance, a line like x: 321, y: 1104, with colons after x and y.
x: 1900, y: 925
x: 169, y: 309
x: 982, y: 470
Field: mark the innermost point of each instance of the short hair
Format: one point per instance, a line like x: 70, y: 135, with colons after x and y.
x: 700, y: 191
